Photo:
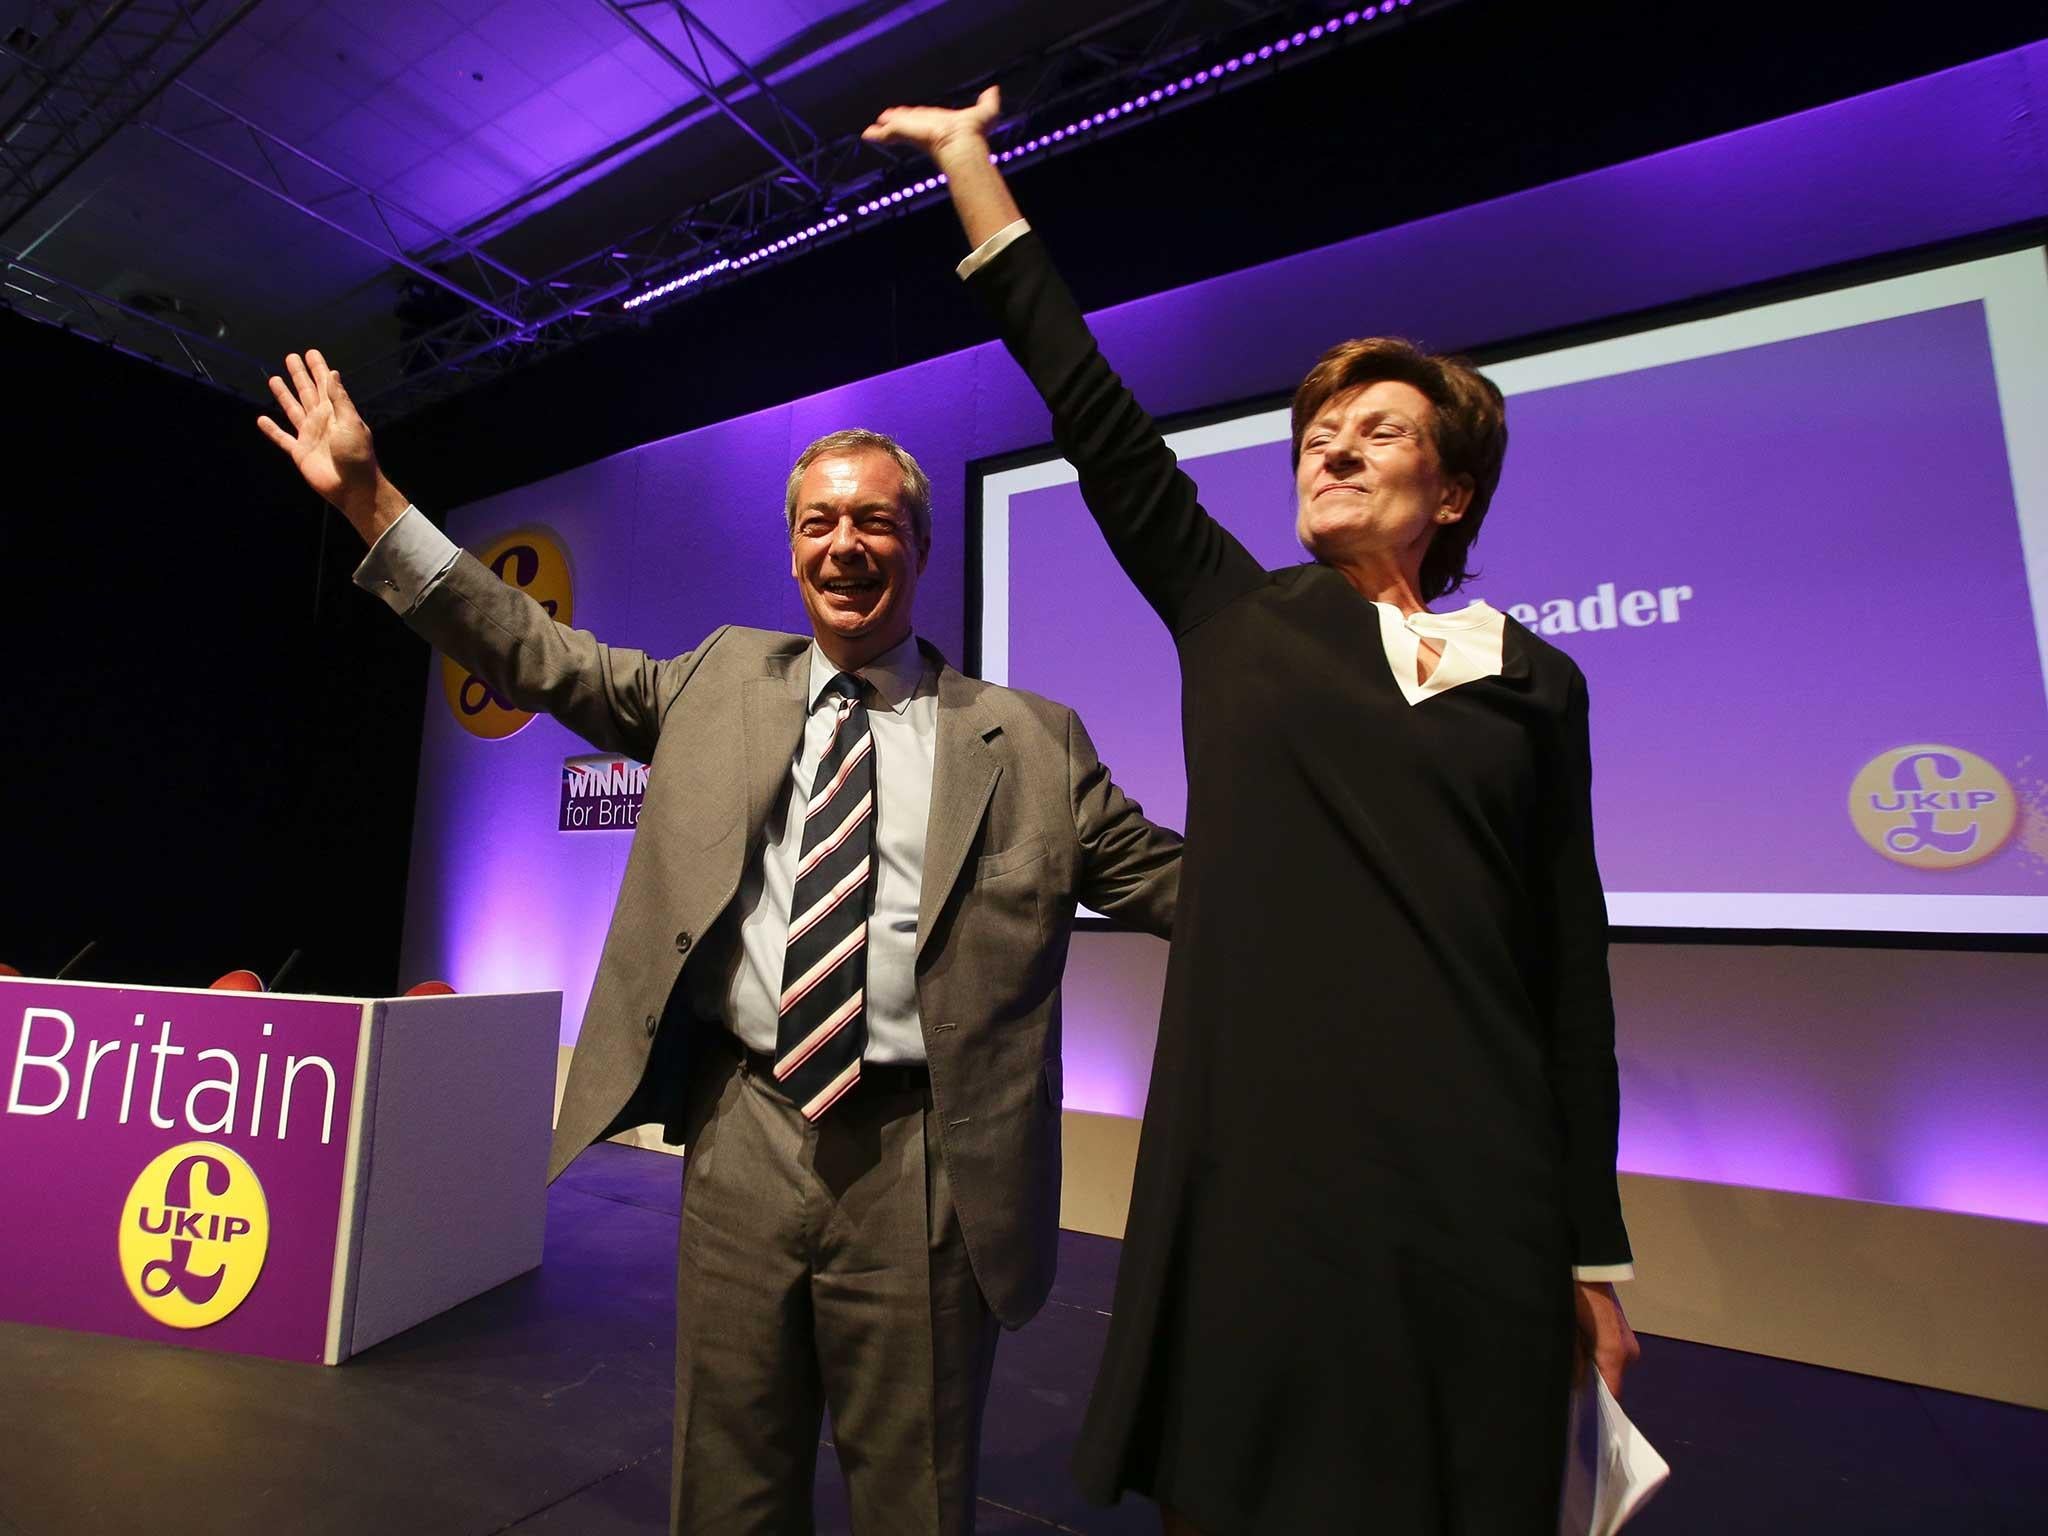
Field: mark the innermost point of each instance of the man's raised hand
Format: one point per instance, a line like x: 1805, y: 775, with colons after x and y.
x: 330, y: 443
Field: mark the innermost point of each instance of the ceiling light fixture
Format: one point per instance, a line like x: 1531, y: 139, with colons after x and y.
x: 925, y: 187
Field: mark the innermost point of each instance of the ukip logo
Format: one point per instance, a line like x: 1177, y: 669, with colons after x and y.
x: 535, y: 562
x: 194, y: 1234
x: 1932, y: 807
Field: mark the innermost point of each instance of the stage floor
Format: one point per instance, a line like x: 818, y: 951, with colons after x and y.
x: 544, y: 1407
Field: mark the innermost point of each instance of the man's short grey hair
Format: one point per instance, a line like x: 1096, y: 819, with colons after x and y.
x: 917, y: 486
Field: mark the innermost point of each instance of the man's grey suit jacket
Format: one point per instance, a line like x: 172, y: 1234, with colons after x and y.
x: 1024, y: 822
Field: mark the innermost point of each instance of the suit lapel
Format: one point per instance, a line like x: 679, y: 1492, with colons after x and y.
x: 773, y: 725
x: 965, y: 769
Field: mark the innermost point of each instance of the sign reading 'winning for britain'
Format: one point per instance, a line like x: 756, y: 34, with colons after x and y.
x: 601, y: 794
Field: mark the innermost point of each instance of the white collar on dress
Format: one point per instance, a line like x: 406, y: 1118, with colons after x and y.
x: 1471, y: 639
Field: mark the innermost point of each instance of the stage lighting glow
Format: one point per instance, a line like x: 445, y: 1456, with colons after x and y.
x: 1200, y: 77
x: 798, y: 237
x: 728, y: 263
x: 924, y: 186
x: 675, y: 284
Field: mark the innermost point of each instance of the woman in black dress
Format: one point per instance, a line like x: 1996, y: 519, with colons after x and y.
x: 1375, y: 1205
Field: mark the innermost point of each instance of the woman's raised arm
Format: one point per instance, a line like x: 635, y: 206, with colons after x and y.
x: 1180, y: 558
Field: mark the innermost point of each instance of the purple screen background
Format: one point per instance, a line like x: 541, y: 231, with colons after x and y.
x: 1840, y: 505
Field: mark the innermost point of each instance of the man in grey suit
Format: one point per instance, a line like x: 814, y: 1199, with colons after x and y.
x: 833, y: 972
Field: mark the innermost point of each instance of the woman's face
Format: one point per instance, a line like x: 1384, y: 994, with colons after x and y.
x: 1369, y: 483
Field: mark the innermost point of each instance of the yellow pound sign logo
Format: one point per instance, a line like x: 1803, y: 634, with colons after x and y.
x: 534, y: 562
x: 1932, y: 807
x: 194, y: 1235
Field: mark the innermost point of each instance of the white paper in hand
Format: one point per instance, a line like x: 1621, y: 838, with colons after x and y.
x: 1610, y: 1469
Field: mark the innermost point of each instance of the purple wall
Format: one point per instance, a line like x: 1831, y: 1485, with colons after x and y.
x: 680, y: 535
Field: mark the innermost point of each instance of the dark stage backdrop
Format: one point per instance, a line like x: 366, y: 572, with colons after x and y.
x: 207, y: 733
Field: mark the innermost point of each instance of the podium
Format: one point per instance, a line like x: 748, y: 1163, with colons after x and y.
x: 267, y: 1174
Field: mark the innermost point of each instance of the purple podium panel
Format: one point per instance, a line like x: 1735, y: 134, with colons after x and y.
x: 179, y: 1159
x: 267, y: 1175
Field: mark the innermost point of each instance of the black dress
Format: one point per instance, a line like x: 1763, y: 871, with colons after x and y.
x: 1383, y: 1108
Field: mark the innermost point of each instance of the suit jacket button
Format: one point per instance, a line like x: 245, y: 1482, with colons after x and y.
x: 652, y: 1024
x: 683, y: 943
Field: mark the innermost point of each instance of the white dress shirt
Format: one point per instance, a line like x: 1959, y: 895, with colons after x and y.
x: 903, y: 718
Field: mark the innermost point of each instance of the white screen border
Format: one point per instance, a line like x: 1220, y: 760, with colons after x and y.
x: 2013, y: 288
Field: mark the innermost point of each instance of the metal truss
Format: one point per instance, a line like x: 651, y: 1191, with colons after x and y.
x: 41, y: 295
x: 95, y: 71
x: 187, y: 117
x: 798, y: 136
x: 258, y: 158
x: 582, y: 298
x: 105, y: 83
x: 1128, y: 69
x: 121, y: 68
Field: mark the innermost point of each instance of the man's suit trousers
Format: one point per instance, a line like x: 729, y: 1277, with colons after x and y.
x: 822, y: 1265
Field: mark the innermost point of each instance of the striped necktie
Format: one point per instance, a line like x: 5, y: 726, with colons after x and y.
x: 822, y: 1028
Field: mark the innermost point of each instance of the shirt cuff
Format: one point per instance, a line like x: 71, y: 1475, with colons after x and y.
x: 992, y: 247
x: 1594, y: 1273
x: 407, y: 562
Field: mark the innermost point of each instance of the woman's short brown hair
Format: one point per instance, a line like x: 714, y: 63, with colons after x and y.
x: 1469, y: 425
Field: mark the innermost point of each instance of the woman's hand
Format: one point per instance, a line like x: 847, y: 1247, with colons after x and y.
x: 1604, y: 1334
x: 957, y: 141
x: 942, y: 132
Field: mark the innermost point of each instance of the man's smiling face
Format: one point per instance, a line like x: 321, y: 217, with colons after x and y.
x: 855, y: 556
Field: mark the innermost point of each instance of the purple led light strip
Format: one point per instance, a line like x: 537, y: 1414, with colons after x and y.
x: 789, y: 242
x: 1307, y: 37
x: 734, y: 263
x: 1193, y: 81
